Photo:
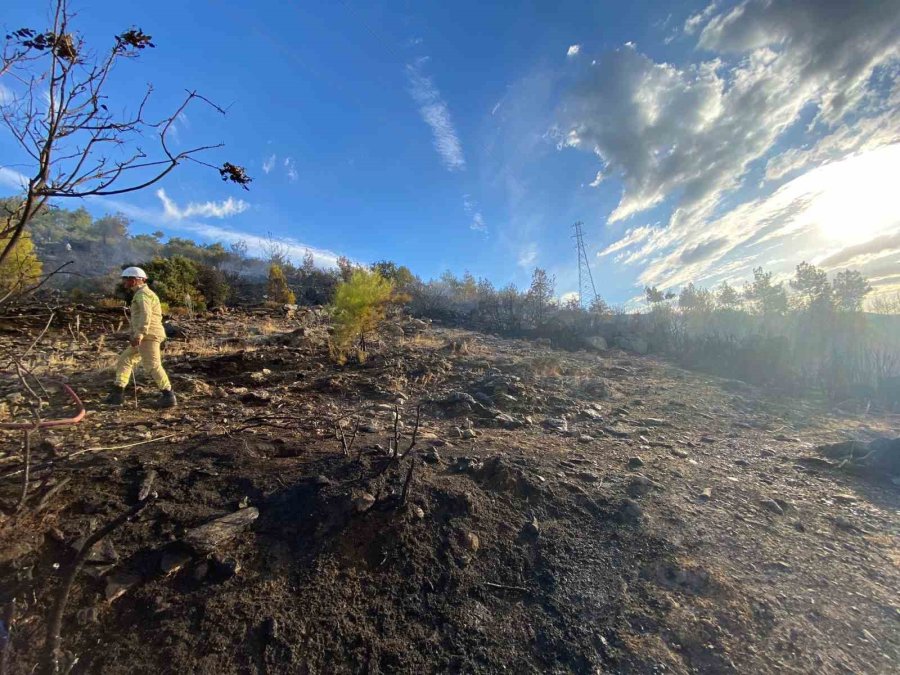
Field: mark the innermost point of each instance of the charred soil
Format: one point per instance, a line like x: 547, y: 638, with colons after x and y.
x: 550, y: 511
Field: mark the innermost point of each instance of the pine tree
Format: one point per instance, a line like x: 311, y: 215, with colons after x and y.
x: 278, y: 291
x: 359, y: 306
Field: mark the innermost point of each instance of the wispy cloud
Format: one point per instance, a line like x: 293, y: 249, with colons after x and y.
x: 257, y: 244
x: 6, y: 95
x: 290, y: 168
x: 527, y: 255
x: 230, y: 207
x: 10, y: 178
x: 268, y: 164
x: 472, y: 210
x: 436, y: 114
x: 573, y: 50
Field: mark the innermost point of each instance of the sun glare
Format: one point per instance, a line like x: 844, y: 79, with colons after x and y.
x: 855, y: 199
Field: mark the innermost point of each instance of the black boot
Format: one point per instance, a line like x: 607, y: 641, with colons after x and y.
x: 167, y: 399
x: 116, y: 396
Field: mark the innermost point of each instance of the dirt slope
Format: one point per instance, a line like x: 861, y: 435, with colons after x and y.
x: 568, y: 512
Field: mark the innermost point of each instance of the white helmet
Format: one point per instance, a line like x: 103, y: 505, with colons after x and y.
x: 134, y: 273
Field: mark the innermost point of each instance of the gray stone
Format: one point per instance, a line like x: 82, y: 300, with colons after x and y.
x: 470, y: 541
x: 596, y: 342
x: 630, y: 511
x: 557, y: 423
x: 635, y: 463
x: 640, y: 485
x: 771, y: 505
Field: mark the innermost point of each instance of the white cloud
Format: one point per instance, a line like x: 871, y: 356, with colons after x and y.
x: 692, y: 132
x: 269, y: 164
x: 695, y: 21
x: 6, y: 95
x: 10, y: 178
x: 259, y: 246
x: 256, y: 244
x: 843, y: 213
x: 573, y: 50
x: 290, y: 168
x: 632, y: 237
x: 527, y: 255
x: 471, y: 208
x: 436, y: 114
x: 230, y: 207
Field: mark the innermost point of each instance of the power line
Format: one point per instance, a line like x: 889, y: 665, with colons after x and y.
x: 584, y: 267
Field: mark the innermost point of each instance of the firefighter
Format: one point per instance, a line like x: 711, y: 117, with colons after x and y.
x: 147, y: 334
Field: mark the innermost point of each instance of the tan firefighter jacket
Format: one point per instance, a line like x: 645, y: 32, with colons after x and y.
x: 146, y: 315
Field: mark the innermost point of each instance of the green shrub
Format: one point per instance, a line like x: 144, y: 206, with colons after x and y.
x: 359, y: 306
x: 277, y: 290
x: 21, y: 268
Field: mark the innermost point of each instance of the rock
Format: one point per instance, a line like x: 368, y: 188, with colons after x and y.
x: 786, y: 439
x: 257, y: 397
x: 483, y: 398
x: 103, y: 552
x: 635, y: 463
x: 640, y: 485
x: 584, y: 438
x: 469, y: 433
x: 432, y: 456
x: 508, y: 421
x: 845, y: 498
x: 587, y: 476
x: 119, y: 584
x: 470, y: 541
x: 706, y: 495
x: 362, y: 502
x: 630, y: 511
x: 172, y: 562
x: 322, y: 480
x: 654, y: 422
x: 370, y: 427
x: 557, y: 423
x: 592, y: 414
x: 771, y: 505
x: 417, y: 512
x: 146, y: 485
x: 457, y: 397
x: 678, y: 452
x: 532, y: 528
x: 208, y: 537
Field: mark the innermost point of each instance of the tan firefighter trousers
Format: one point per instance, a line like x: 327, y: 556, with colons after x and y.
x: 148, y: 354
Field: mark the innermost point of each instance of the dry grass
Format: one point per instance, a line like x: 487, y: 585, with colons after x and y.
x: 546, y: 365
x: 425, y: 341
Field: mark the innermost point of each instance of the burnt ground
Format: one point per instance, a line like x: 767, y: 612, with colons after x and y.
x: 577, y: 512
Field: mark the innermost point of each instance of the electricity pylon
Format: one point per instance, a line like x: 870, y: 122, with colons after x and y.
x: 584, y: 267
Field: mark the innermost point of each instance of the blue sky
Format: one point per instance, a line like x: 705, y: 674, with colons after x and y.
x: 694, y: 141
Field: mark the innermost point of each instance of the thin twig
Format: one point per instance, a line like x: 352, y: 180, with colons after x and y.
x: 26, y: 470
x: 415, y: 433
x: 505, y: 587
x: 408, y: 482
x: 38, y: 338
x: 85, y: 450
